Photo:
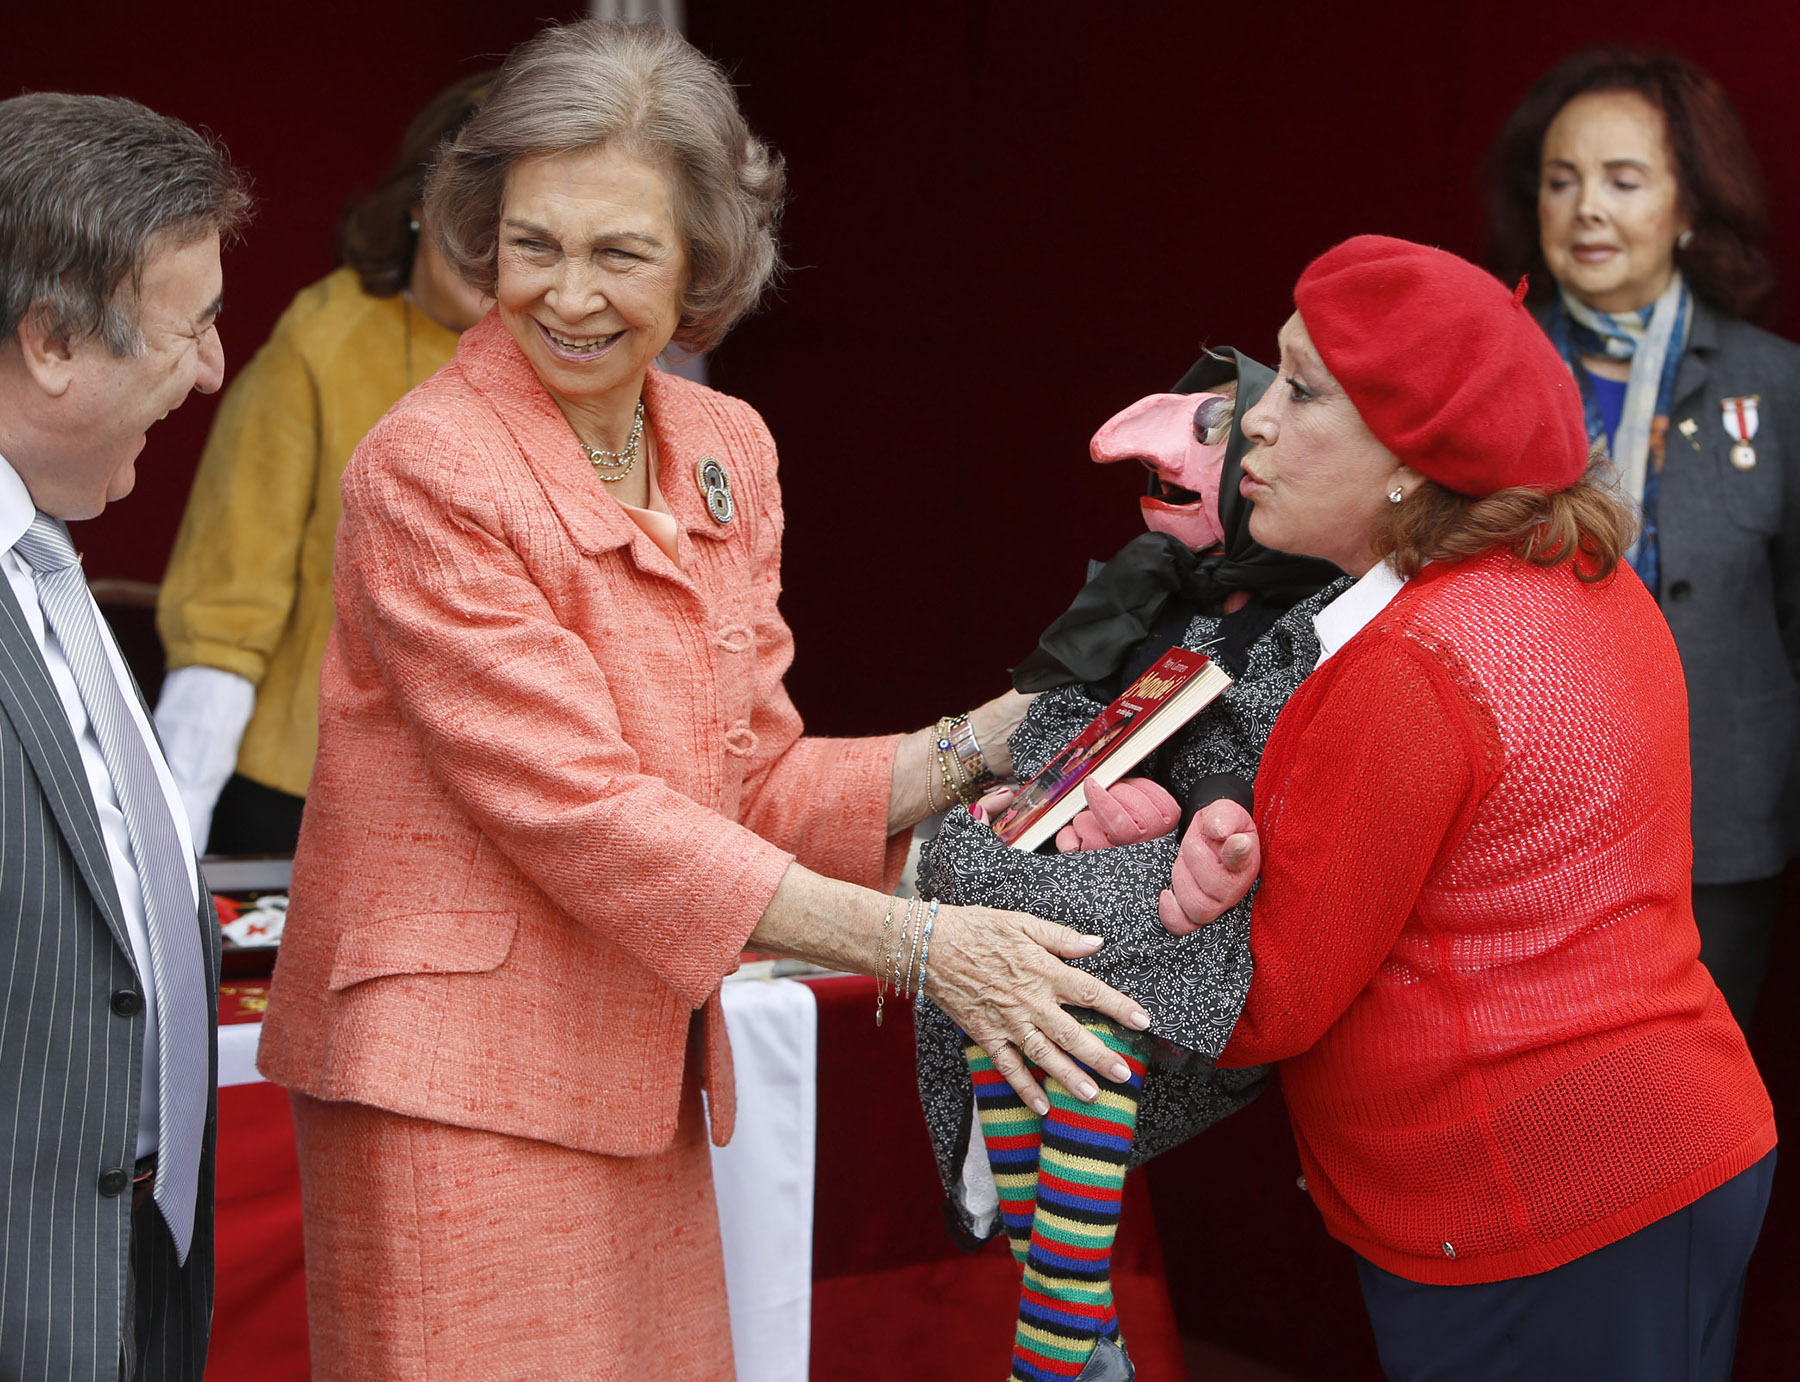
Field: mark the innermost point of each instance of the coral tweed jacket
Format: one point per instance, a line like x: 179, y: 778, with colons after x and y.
x: 558, y: 777
x: 1474, y: 950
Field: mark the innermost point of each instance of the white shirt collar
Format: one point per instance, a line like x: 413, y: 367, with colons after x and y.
x: 1344, y: 617
x: 16, y: 508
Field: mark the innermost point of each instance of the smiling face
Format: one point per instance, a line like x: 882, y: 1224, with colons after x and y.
x: 1319, y: 478
x: 591, y: 271
x: 1609, y: 201
x: 107, y: 402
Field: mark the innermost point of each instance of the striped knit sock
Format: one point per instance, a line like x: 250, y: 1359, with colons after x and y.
x: 1011, y: 1131
x: 1067, y: 1302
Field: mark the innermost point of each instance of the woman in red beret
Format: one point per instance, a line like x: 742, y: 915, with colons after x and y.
x: 1517, y: 1094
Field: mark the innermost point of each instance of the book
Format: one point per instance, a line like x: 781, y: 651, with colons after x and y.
x: 1178, y: 686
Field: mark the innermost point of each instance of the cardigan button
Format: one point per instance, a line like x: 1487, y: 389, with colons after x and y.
x: 1449, y: 1251
x: 736, y: 638
x: 1681, y: 590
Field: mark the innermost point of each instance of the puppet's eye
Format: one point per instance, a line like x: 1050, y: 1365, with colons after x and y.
x: 1211, y: 416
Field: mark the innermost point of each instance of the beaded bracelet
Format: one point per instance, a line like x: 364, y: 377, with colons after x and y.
x: 899, y: 943
x: 912, y: 955
x: 925, y: 952
x: 947, y: 763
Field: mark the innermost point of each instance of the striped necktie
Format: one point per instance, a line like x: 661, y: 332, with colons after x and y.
x: 177, y: 957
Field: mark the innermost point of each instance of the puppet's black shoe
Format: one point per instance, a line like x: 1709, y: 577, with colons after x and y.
x: 1109, y: 1363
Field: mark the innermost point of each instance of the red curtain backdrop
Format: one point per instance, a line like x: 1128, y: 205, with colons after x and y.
x: 1008, y: 221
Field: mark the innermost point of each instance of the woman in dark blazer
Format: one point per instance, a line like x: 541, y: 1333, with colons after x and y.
x: 1623, y: 184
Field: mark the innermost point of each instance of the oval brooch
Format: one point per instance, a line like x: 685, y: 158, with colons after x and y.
x: 715, y: 487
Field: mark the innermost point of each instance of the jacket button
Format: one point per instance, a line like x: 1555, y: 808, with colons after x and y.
x: 113, y: 1183
x: 1681, y: 590
x: 128, y: 1002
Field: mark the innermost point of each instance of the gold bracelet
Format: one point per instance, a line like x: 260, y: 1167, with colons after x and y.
x: 887, y: 925
x: 960, y: 789
x: 931, y: 806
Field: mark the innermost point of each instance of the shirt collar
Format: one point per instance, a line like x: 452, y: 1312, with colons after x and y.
x: 16, y: 508
x: 1344, y: 617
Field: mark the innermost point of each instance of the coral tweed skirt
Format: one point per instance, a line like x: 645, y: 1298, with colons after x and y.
x: 443, y: 1253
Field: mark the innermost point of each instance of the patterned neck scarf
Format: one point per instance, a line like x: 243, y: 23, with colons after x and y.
x: 1652, y: 339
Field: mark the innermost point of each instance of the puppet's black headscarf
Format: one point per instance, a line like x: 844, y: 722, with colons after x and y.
x: 1155, y: 584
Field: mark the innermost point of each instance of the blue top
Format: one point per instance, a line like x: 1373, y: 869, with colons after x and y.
x: 1610, y: 395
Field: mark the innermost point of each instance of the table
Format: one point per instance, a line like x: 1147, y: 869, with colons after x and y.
x: 838, y: 1264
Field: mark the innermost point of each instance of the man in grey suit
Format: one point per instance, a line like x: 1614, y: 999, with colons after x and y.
x: 110, y: 223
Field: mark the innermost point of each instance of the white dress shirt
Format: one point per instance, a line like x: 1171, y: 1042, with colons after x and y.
x: 1346, y: 616
x: 16, y: 513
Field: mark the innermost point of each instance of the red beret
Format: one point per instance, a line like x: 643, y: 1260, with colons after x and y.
x: 1445, y: 365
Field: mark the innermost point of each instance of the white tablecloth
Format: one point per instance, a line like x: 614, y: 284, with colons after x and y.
x: 764, y: 1179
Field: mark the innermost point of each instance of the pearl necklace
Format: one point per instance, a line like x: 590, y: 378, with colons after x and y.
x: 614, y: 466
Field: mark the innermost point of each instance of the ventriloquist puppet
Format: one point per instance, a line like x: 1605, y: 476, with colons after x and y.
x: 1196, y: 580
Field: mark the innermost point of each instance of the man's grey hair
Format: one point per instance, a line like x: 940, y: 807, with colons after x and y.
x: 653, y: 95
x: 90, y: 187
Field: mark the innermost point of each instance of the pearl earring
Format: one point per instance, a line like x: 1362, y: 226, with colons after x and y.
x: 412, y: 224
x: 1686, y: 238
x: 1396, y: 494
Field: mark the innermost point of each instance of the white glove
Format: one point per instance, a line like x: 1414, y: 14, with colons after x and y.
x: 201, y: 716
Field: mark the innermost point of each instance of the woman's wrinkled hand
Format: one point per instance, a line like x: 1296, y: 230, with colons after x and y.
x: 994, y: 723
x: 1132, y: 810
x: 1219, y: 859
x: 998, y: 976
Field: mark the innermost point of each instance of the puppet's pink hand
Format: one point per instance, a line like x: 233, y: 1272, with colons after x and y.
x: 1219, y: 860
x: 1131, y: 810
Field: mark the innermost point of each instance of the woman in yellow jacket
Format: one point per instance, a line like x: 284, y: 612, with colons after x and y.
x: 246, y: 600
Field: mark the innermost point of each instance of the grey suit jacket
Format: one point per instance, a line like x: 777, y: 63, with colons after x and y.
x: 1730, y: 589
x: 70, y: 1067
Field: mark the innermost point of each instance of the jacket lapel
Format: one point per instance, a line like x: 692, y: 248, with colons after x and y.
x: 497, y: 368
x: 1703, y: 338
x: 30, y: 701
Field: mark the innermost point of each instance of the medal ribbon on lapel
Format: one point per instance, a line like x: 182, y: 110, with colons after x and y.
x: 1741, y: 418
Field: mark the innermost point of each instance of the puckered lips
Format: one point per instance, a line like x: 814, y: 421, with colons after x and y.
x: 577, y: 349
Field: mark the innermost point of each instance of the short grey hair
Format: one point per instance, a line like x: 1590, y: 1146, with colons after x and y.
x: 653, y: 95
x: 89, y: 188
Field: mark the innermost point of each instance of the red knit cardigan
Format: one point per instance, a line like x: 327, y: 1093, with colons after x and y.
x: 1474, y: 945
